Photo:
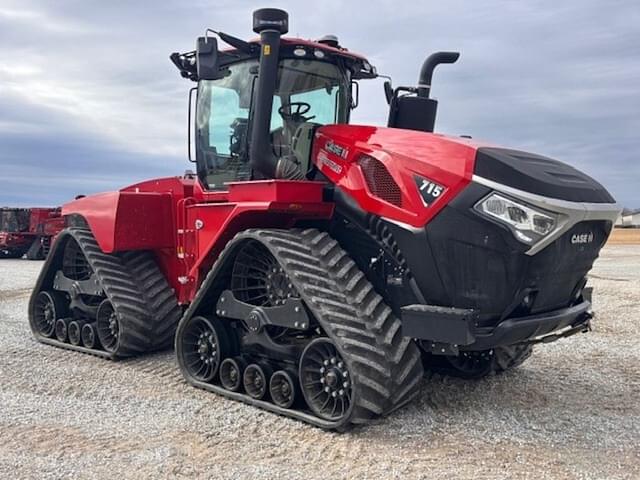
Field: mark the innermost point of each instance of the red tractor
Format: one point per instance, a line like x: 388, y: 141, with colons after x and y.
x: 313, y: 267
x: 28, y: 231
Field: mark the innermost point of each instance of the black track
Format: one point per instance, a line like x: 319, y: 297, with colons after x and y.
x: 143, y: 301
x: 473, y: 365
x: 385, y: 367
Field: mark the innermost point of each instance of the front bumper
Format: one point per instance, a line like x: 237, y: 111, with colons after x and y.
x: 458, y: 328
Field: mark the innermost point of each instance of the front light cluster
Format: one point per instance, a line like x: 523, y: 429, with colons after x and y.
x: 527, y: 223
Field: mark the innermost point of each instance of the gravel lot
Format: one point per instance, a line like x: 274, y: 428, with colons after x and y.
x: 571, y: 411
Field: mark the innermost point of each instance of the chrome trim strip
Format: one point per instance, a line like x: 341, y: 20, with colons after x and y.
x: 403, y: 225
x: 569, y: 213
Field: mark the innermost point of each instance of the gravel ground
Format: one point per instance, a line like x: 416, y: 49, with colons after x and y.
x: 571, y: 411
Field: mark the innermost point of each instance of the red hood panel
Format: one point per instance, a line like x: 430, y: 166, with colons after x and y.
x: 447, y: 161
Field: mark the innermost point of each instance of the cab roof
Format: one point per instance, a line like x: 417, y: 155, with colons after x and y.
x: 290, y: 47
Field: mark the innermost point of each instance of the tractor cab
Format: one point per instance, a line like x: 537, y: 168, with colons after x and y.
x: 260, y: 102
x: 310, y: 84
x: 308, y: 93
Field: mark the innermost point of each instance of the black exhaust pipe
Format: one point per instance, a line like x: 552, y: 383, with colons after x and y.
x: 270, y: 23
x: 429, y: 65
x: 418, y: 112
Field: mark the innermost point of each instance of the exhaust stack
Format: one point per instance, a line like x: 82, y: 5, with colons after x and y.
x: 417, y: 111
x: 270, y: 24
x: 429, y: 65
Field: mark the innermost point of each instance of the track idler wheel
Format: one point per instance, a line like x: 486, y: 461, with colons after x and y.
x: 89, y: 336
x: 256, y: 380
x: 61, y: 329
x: 204, y: 344
x: 326, y: 380
x: 108, y: 326
x: 74, y: 330
x: 231, y: 372
x: 49, y: 307
x: 283, y: 388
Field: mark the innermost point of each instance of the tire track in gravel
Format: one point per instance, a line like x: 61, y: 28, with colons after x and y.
x: 6, y: 295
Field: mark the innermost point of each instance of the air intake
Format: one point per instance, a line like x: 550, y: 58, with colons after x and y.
x: 379, y: 180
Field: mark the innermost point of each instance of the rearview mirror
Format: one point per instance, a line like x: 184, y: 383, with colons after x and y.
x: 207, y: 59
x: 355, y: 94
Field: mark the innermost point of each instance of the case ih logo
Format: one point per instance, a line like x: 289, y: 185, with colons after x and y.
x: 336, y: 149
x: 330, y: 164
x: 579, y: 238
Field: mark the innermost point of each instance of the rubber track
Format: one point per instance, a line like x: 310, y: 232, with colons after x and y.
x: 403, y: 355
x: 502, y: 359
x: 386, y: 367
x: 159, y: 297
x: 123, y: 279
x: 512, y: 356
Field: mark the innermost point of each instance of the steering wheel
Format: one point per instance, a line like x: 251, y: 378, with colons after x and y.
x: 296, y: 111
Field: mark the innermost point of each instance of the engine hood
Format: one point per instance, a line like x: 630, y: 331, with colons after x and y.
x: 427, y: 152
x: 383, y: 169
x: 415, y: 150
x: 407, y: 161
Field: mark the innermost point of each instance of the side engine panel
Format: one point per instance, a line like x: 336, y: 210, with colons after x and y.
x: 400, y: 175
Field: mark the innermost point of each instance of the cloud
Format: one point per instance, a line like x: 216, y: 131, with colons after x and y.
x: 89, y: 98
x: 31, y: 19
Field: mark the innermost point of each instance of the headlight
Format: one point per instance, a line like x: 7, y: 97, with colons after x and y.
x: 528, y: 224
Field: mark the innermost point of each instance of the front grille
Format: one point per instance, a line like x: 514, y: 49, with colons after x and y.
x: 480, y: 269
x: 561, y: 266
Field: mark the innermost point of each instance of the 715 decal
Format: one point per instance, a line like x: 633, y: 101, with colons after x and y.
x: 429, y: 190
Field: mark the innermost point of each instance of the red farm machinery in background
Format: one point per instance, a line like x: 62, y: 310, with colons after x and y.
x: 28, y: 231
x: 311, y: 267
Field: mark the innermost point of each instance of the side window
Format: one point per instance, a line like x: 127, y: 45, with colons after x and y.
x: 225, y: 109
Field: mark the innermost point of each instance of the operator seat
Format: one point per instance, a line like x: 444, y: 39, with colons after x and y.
x: 301, y: 145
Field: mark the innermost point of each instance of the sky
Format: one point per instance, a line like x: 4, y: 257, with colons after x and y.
x: 90, y: 102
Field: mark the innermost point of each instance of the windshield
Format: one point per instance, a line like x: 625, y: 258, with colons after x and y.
x: 307, y: 92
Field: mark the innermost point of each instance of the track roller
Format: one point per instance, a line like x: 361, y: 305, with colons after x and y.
x: 256, y: 380
x: 74, y: 330
x: 61, y: 329
x: 231, y: 372
x: 49, y: 306
x: 88, y: 334
x: 283, y: 388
